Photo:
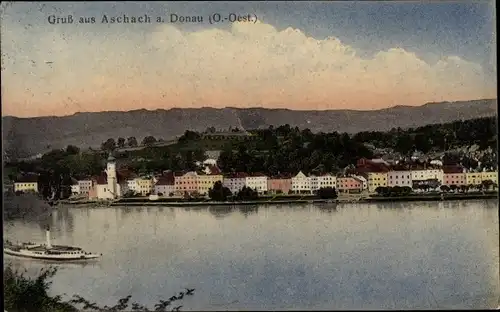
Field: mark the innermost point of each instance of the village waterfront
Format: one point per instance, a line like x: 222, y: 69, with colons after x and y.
x: 412, y: 255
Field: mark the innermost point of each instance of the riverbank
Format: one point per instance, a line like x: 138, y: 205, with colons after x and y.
x: 432, y: 197
x: 169, y: 202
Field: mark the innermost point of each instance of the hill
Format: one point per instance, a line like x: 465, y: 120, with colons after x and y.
x: 27, y: 136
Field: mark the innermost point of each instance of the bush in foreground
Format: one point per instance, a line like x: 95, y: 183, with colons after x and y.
x: 24, y: 294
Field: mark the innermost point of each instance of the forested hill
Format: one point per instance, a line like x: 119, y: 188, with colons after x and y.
x: 24, y: 137
x: 276, y: 150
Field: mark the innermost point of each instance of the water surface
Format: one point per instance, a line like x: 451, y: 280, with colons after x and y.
x: 417, y: 255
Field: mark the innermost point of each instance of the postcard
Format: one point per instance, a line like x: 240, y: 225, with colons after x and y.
x: 208, y: 156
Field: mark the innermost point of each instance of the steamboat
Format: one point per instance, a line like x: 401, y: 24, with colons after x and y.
x: 48, y: 251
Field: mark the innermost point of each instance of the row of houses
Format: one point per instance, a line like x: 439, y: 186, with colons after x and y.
x: 367, y: 176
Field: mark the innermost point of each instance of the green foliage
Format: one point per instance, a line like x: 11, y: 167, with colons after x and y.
x: 388, y: 191
x: 219, y: 192
x: 284, y: 149
x: 445, y: 188
x: 149, y: 140
x: 327, y: 193
x: 132, y: 142
x: 247, y: 193
x: 109, y: 145
x: 24, y: 294
x: 480, y: 131
x: 189, y: 136
x: 121, y: 142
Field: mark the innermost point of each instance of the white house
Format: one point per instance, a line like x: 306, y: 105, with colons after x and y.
x: 427, y: 174
x: 132, y: 185
x: 257, y: 182
x: 165, y: 186
x: 399, y: 178
x: 301, y: 183
x: 235, y: 182
x: 322, y: 181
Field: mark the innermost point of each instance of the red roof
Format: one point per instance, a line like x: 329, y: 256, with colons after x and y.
x: 366, y: 165
x: 214, y: 170
x: 453, y: 169
x: 281, y: 176
x: 237, y: 175
x: 165, y: 181
x: 257, y: 174
x: 27, y: 178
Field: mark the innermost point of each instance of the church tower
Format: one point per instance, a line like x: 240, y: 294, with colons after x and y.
x: 111, y: 173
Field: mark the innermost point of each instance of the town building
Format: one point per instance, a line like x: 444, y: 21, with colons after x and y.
x: 165, y: 186
x: 489, y: 175
x: 111, y: 184
x: 473, y: 178
x: 81, y: 187
x: 26, y: 184
x: 399, y: 178
x: 364, y: 181
x: 301, y: 184
x: 186, y: 182
x: 279, y: 184
x: 376, y: 179
x: 454, y: 175
x: 257, y: 182
x: 322, y: 181
x: 427, y: 174
x: 143, y: 186
x: 235, y: 182
x: 208, y: 178
x: 349, y: 185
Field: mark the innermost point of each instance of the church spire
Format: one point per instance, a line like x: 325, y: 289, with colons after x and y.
x: 110, y: 157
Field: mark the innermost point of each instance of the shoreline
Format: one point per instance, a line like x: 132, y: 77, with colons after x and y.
x: 375, y: 199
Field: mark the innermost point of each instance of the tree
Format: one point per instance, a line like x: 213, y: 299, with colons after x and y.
x: 24, y: 294
x: 405, y: 190
x: 247, y: 193
x: 109, y: 145
x: 149, y: 140
x: 121, y: 142
x: 327, y: 193
x: 72, y: 150
x: 453, y: 188
x: 132, y: 142
x: 487, y: 184
x: 189, y: 136
x: 382, y: 190
x: 219, y: 192
x: 396, y: 190
x: 445, y: 188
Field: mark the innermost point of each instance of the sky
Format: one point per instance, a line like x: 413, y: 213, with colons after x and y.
x: 295, y: 55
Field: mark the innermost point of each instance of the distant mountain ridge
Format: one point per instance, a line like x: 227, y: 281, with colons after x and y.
x: 28, y: 136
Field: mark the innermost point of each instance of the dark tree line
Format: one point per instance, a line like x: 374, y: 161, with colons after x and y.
x: 439, y: 137
x: 110, y: 144
x: 289, y: 150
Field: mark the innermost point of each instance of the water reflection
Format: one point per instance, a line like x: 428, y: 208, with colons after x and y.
x: 220, y: 212
x: 327, y: 208
x: 247, y: 210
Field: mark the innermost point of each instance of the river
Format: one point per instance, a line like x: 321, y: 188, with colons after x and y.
x: 419, y: 255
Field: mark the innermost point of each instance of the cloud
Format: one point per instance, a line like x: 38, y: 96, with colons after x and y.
x: 246, y: 65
